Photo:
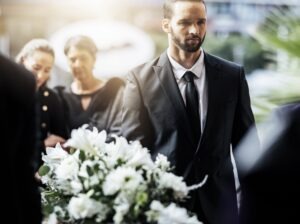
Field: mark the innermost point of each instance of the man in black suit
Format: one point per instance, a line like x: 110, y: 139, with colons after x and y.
x: 193, y: 123
x: 21, y: 203
x: 271, y: 181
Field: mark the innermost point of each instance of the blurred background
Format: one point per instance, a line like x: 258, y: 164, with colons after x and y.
x: 262, y: 35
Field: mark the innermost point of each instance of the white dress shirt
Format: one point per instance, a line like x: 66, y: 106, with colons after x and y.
x: 200, y: 81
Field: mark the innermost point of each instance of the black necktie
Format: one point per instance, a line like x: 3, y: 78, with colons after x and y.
x: 192, y: 105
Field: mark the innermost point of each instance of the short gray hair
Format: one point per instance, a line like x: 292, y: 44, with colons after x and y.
x: 81, y: 42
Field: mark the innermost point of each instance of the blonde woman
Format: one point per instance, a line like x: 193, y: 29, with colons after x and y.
x: 38, y: 57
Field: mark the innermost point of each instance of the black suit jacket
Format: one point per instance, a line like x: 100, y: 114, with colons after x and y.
x: 18, y: 143
x: 154, y: 113
x: 272, y: 183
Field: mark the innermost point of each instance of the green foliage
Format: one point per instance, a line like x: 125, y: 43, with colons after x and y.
x: 43, y: 170
x: 238, y: 48
x: 285, y: 89
x: 280, y: 33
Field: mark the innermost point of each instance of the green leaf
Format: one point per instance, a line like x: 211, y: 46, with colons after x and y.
x: 82, y: 156
x: 47, y: 209
x: 88, y: 221
x: 142, y: 198
x: 44, y: 170
x: 89, y: 171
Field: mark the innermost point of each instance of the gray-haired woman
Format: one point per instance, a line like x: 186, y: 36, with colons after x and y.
x: 90, y: 100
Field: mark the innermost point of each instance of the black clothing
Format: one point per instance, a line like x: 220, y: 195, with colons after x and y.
x: 192, y: 105
x: 270, y: 192
x: 52, y: 119
x: 103, y: 112
x: 154, y: 113
x: 21, y: 198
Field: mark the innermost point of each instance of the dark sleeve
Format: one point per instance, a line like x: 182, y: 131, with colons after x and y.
x: 115, y: 114
x: 273, y: 182
x: 58, y: 124
x: 134, y: 114
x: 27, y: 159
x: 244, y: 119
x: 18, y: 141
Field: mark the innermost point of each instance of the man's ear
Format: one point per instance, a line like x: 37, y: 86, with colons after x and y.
x: 165, y: 24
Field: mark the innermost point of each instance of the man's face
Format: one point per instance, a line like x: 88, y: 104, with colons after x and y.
x: 187, y: 25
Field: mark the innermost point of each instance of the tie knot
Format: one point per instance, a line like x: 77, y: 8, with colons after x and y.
x: 189, y: 76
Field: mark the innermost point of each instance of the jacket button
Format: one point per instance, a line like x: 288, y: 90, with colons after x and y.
x: 46, y: 93
x: 44, y: 108
x: 44, y: 125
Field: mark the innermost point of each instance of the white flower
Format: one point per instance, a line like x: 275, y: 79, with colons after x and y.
x: 133, y: 154
x: 68, y: 168
x: 172, y: 214
x: 120, y: 179
x: 176, y: 183
x: 83, y: 169
x: 118, y: 151
x: 76, y: 186
x: 47, y: 179
x: 84, y: 207
x: 123, y: 178
x: 54, y: 155
x: 89, y: 141
x: 57, y: 211
x: 63, y: 186
x: 52, y: 219
x: 98, y: 165
x: 140, y: 158
x: 162, y: 162
x: 121, y: 210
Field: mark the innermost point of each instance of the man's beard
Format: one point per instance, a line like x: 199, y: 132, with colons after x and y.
x: 185, y: 46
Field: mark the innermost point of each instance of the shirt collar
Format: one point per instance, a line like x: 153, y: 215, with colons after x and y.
x: 179, y: 70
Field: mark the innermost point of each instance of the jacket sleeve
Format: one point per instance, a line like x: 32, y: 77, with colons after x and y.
x: 115, y: 114
x: 135, y: 119
x: 244, y: 122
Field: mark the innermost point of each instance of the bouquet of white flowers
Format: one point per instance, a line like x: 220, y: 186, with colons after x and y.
x: 117, y: 182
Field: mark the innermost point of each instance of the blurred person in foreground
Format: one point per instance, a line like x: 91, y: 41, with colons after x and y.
x: 90, y: 100
x: 21, y: 200
x: 38, y: 57
x: 270, y: 175
x: 192, y: 107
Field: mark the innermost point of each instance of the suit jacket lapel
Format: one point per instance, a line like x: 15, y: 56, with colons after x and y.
x: 164, y: 72
x: 212, y: 76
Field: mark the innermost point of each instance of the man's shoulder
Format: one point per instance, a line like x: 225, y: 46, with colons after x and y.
x: 145, y: 67
x: 221, y: 61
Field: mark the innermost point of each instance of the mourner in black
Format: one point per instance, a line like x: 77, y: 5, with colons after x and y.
x: 192, y: 107
x: 271, y: 180
x: 92, y: 101
x: 21, y: 199
x: 38, y: 57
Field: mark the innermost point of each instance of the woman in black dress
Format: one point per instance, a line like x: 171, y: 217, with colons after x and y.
x: 38, y: 57
x: 92, y: 101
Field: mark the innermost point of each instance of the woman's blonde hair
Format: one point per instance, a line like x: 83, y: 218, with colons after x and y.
x: 33, y: 46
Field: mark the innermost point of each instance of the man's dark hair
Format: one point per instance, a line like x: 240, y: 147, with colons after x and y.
x: 168, y: 6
